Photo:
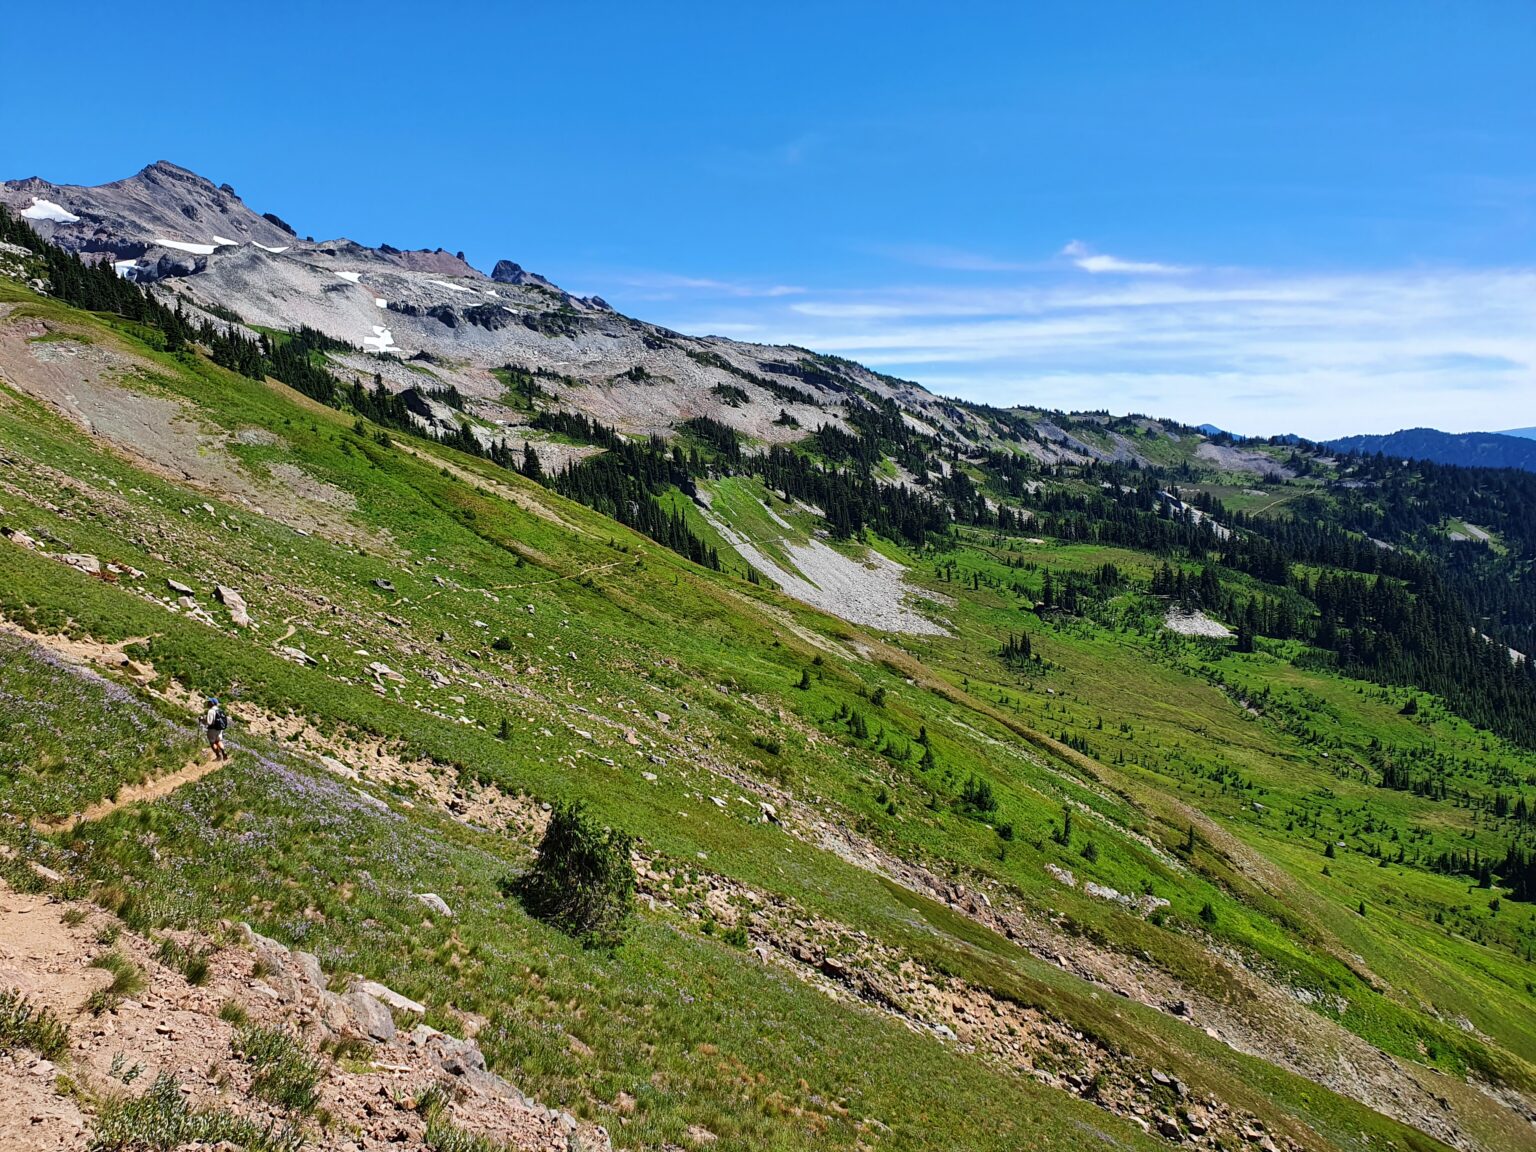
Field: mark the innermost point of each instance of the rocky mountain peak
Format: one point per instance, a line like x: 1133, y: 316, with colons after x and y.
x: 510, y: 272
x: 164, y: 170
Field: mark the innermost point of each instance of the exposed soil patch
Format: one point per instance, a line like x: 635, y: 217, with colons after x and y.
x: 175, y: 1027
x: 92, y: 386
x: 1234, y: 459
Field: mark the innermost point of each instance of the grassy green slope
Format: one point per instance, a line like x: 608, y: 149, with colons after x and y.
x: 622, y: 629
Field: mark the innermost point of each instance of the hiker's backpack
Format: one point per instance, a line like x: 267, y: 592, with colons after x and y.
x: 220, y: 721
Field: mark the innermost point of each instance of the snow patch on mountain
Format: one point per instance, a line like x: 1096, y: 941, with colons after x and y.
x: 183, y: 246
x: 48, y: 210
x: 382, y: 340
x: 351, y: 277
x: 225, y: 241
x: 275, y: 251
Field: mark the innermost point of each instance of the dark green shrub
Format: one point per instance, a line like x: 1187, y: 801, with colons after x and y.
x: 977, y: 796
x: 583, y: 882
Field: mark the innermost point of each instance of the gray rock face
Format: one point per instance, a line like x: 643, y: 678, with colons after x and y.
x: 508, y: 272
x: 309, y: 968
x: 129, y: 219
x: 431, y: 306
x: 179, y: 588
x: 368, y: 1016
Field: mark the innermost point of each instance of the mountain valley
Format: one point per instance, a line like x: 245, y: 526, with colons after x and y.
x: 981, y: 777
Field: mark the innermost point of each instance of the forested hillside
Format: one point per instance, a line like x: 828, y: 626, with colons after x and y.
x: 1466, y: 449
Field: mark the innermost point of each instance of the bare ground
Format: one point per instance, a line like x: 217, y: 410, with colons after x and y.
x: 872, y: 594
x: 84, y: 383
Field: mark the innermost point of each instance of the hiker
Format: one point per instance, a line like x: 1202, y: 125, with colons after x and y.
x: 215, y: 721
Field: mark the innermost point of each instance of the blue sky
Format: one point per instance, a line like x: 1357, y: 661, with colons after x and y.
x: 1317, y: 218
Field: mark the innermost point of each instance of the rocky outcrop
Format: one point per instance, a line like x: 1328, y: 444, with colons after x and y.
x: 239, y: 615
x: 510, y: 272
x: 129, y: 218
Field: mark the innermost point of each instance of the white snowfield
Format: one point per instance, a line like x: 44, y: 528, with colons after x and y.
x: 225, y: 242
x: 353, y: 277
x: 450, y: 287
x: 382, y: 340
x: 274, y: 251
x: 381, y: 302
x: 48, y: 210
x: 183, y: 246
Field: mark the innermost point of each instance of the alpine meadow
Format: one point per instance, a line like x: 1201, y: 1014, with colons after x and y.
x: 657, y: 741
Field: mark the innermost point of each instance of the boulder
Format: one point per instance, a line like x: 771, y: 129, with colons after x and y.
x: 388, y: 996
x: 297, y: 655
x: 179, y: 588
x: 333, y: 765
x: 238, y: 613
x: 384, y: 585
x: 368, y: 1016
x: 371, y: 800
x: 435, y: 902
x: 84, y: 562
x: 333, y: 1013
x: 309, y: 968
x: 18, y: 537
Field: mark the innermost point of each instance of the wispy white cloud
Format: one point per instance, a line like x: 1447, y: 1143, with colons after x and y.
x: 664, y: 285
x: 1090, y: 261
x: 1319, y: 354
